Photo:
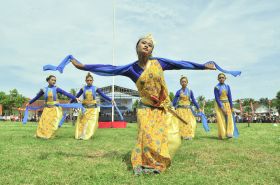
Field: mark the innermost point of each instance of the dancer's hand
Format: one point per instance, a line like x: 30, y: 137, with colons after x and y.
x: 77, y: 64
x: 78, y: 100
x: 27, y: 104
x: 113, y: 102
x: 199, y: 110
x: 224, y: 111
x: 210, y: 65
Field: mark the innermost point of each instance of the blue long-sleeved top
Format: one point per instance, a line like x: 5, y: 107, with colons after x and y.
x: 58, y: 90
x: 177, y: 96
x: 98, y: 91
x: 133, y: 71
x: 218, y: 92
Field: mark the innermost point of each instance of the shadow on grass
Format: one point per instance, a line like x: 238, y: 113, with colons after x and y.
x: 126, y: 159
x: 208, y: 137
x: 96, y: 154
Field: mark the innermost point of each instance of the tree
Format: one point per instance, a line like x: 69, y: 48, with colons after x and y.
x: 73, y: 91
x: 209, y: 107
x: 277, y: 104
x: 246, y: 104
x: 62, y: 97
x: 12, y: 101
x: 135, y: 104
x: 200, y: 100
x: 263, y: 101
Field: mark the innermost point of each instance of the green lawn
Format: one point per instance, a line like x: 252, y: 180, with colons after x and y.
x: 253, y: 158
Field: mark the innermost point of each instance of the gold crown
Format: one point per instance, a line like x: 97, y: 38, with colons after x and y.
x: 150, y: 37
x: 183, y: 76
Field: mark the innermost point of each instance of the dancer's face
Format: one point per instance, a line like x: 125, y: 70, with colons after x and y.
x: 52, y: 81
x: 89, y: 81
x: 221, y: 79
x: 145, y: 47
x: 184, y: 83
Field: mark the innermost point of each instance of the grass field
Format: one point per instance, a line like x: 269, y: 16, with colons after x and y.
x: 253, y: 158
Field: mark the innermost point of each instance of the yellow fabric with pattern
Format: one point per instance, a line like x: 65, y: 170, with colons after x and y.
x: 225, y: 123
x: 89, y: 99
x: 49, y: 121
x: 186, y: 131
x: 158, y: 132
x: 87, y: 124
x: 223, y: 95
x: 50, y: 96
x: 184, y: 99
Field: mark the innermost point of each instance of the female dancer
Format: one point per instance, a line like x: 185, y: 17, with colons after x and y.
x: 52, y: 113
x: 223, y: 108
x: 87, y: 123
x: 182, y: 102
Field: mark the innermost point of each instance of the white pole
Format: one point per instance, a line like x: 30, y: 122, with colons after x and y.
x: 113, y: 60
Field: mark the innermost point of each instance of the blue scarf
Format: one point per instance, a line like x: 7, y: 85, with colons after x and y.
x: 100, y: 69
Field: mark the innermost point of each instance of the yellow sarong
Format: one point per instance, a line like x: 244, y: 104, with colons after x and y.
x: 184, y: 111
x: 187, y: 131
x: 50, y: 118
x: 158, y: 131
x: 224, y: 122
x: 87, y: 124
x: 49, y: 121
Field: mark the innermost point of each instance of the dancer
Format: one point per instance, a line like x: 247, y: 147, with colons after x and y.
x: 223, y: 108
x: 182, y: 101
x: 154, y: 147
x: 52, y: 114
x: 87, y: 123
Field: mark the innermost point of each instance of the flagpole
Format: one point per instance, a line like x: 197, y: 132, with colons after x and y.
x: 113, y: 60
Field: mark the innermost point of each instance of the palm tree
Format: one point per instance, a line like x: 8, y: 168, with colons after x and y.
x: 264, y: 101
x: 200, y: 100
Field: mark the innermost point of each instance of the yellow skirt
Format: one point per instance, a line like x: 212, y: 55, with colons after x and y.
x: 158, y: 138
x: 187, y: 131
x: 87, y: 124
x: 49, y: 121
x: 225, y: 123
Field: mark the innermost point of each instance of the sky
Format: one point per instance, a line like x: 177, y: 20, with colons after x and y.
x: 237, y: 34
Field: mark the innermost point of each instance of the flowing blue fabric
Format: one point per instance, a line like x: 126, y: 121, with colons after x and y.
x: 61, y: 66
x: 67, y: 106
x: 25, y: 118
x: 234, y: 73
x: 109, y: 70
x: 62, y: 119
x: 103, y: 70
x: 181, y: 64
x: 203, y: 119
x: 235, y: 132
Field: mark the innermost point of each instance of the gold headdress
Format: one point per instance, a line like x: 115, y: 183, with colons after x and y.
x: 184, y: 77
x: 221, y: 74
x: 150, y: 37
